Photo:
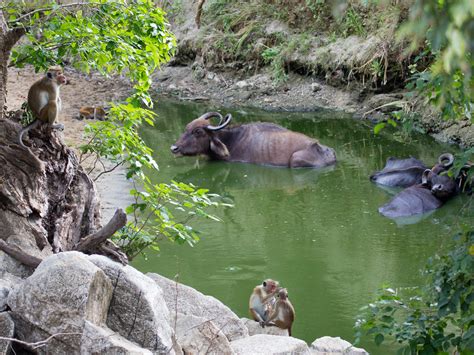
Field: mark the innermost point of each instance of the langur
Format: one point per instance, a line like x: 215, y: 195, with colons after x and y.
x: 44, y: 101
x: 262, y: 300
x: 283, y: 313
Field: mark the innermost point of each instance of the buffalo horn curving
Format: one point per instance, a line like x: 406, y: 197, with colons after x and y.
x: 227, y: 120
x: 209, y: 115
x: 446, y: 160
x: 424, y: 177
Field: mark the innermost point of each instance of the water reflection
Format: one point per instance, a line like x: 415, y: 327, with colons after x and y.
x: 226, y: 177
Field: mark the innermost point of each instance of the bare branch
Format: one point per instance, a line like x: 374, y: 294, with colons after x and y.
x: 38, y: 344
x: 93, y: 240
x: 20, y: 255
x: 29, y: 14
x: 109, y: 171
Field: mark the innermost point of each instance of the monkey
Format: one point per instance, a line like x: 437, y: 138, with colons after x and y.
x: 283, y: 313
x: 92, y: 112
x: 44, y: 101
x: 262, y: 299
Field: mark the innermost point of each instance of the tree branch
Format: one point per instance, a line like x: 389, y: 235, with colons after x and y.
x: 38, y: 344
x: 20, y: 255
x: 93, y: 240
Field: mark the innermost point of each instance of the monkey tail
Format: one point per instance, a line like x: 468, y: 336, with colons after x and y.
x: 32, y: 125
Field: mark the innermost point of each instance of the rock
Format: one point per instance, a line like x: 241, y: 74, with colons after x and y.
x: 315, y: 87
x: 65, y: 290
x: 7, y: 330
x: 192, y: 302
x: 101, y: 340
x: 331, y: 345
x: 197, y: 335
x: 269, y: 344
x: 4, y: 291
x: 255, y: 328
x: 137, y: 310
x: 242, y: 84
x: 277, y: 27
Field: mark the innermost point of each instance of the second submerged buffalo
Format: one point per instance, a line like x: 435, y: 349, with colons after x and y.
x: 258, y: 143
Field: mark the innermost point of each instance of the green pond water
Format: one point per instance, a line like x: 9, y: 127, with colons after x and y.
x: 316, y: 231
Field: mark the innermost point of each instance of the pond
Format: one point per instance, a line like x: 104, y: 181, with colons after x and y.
x: 316, y: 231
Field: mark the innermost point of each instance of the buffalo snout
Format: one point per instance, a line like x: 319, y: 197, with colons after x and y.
x: 174, y: 149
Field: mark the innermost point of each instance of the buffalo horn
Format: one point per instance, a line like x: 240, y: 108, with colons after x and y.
x: 424, y: 177
x: 227, y: 120
x: 209, y: 115
x: 446, y: 160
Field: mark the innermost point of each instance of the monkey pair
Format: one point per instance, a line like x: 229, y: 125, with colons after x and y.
x: 44, y: 102
x: 266, y: 309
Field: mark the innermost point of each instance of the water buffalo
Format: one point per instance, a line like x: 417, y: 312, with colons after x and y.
x: 258, y: 143
x: 433, y: 191
x: 408, y: 172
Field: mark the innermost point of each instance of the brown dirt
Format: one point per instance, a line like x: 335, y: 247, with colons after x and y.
x: 83, y: 90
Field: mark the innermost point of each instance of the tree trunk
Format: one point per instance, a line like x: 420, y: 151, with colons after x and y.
x: 48, y: 204
x: 51, y: 207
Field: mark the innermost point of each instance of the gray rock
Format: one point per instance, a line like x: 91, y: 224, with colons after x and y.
x: 242, y: 84
x: 65, y: 290
x: 7, y: 330
x: 101, y: 340
x: 137, y: 310
x: 277, y: 27
x: 269, y: 345
x: 315, y: 87
x: 255, y: 328
x: 4, y: 291
x: 332, y: 345
x: 197, y: 335
x: 192, y: 302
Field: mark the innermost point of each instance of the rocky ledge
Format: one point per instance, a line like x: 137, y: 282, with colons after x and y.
x: 78, y: 304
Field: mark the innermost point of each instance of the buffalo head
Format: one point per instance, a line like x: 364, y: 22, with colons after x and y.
x: 441, y: 186
x: 199, y: 137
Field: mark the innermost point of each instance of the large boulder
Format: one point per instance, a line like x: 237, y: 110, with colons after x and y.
x: 188, y: 301
x: 331, y: 346
x: 197, y: 335
x: 101, y: 341
x: 255, y: 328
x: 64, y: 291
x: 137, y: 310
x: 7, y: 329
x: 269, y: 345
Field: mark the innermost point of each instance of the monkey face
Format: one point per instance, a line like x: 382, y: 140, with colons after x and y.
x: 56, y: 74
x: 270, y: 285
x: 283, y: 294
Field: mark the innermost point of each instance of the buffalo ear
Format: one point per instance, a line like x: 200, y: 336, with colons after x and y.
x: 219, y: 148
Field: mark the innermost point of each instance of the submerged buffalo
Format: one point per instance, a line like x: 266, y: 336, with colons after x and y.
x: 433, y: 191
x: 258, y: 143
x: 408, y: 172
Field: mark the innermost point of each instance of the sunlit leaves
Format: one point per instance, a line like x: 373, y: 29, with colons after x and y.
x: 163, y: 211
x: 447, y: 27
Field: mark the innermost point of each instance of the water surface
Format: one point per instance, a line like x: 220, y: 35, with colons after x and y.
x: 316, y: 231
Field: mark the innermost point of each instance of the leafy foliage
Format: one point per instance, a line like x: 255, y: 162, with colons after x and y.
x: 433, y: 320
x: 126, y: 38
x: 155, y: 213
x: 447, y: 28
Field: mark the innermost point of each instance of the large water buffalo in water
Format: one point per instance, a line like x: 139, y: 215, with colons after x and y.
x: 258, y: 143
x: 433, y: 191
